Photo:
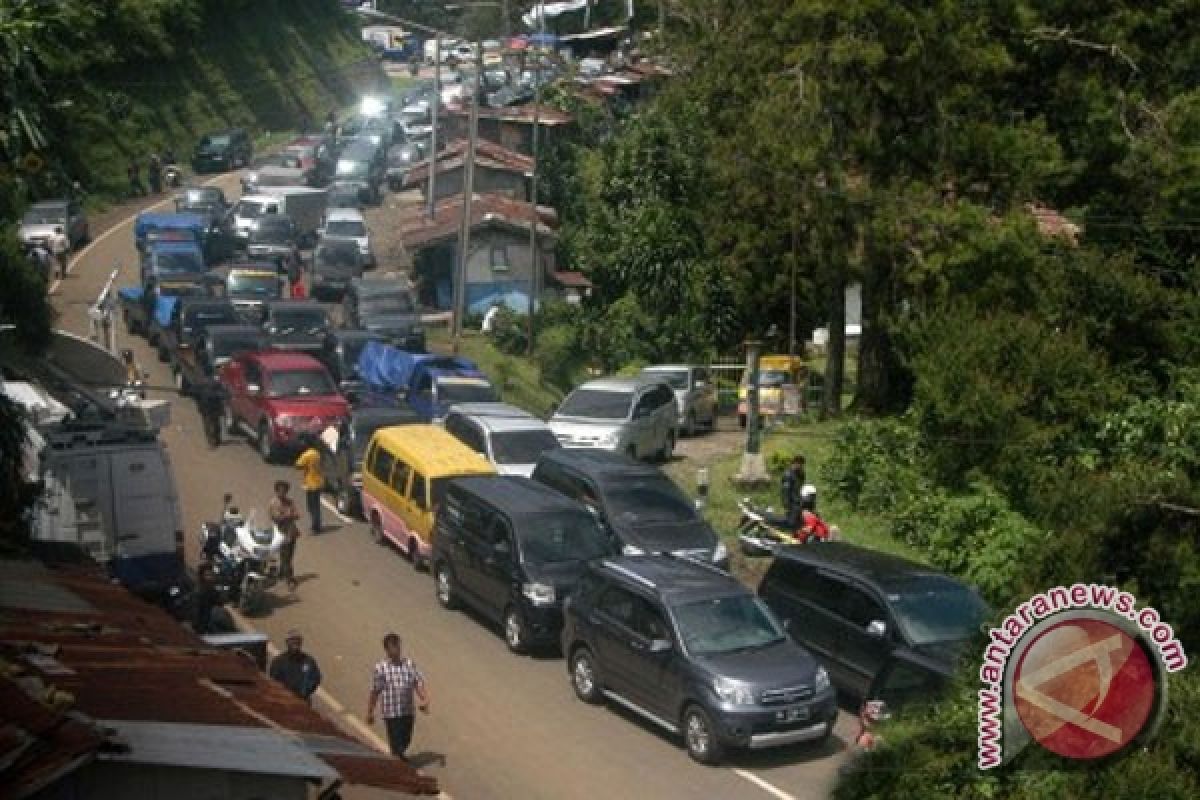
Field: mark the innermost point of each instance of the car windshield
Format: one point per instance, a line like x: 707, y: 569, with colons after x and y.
x: 451, y: 392
x: 176, y: 263
x: 299, y: 383
x: 241, y: 285
x: 522, y: 447
x: 250, y: 209
x: 337, y: 255
x: 345, y: 227
x: 555, y: 537
x: 352, y: 169
x: 933, y: 609
x: 272, y: 231
x: 675, y: 378
x: 726, y: 624
x: 215, y: 141
x: 648, y: 499
x: 596, y: 404
x: 225, y: 346
x: 770, y: 378
x: 202, y: 196
x: 204, y: 316
x: 300, y: 319
x: 397, y: 302
x: 43, y: 216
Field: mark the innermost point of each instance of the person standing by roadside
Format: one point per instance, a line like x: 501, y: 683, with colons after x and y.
x: 791, y: 487
x: 154, y: 173
x: 309, y: 463
x: 396, y: 680
x: 284, y: 515
x: 298, y: 292
x: 296, y: 669
x: 134, y: 171
x: 210, y: 402
x: 59, y: 247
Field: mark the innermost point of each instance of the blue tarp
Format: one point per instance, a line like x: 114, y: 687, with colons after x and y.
x: 132, y: 294
x: 386, y: 368
x: 163, y: 306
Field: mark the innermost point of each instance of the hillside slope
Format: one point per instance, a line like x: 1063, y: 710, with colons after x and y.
x: 154, y: 73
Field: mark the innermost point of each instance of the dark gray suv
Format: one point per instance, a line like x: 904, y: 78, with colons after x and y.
x: 689, y: 648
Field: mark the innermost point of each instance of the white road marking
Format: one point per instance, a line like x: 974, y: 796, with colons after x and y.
x: 329, y: 506
x: 774, y: 791
x: 116, y: 227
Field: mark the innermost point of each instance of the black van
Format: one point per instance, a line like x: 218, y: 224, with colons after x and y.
x: 860, y: 610
x: 513, y: 549
x: 221, y: 151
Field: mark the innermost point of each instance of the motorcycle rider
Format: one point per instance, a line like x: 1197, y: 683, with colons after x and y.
x: 808, y: 525
x: 791, y: 488
x: 205, y: 617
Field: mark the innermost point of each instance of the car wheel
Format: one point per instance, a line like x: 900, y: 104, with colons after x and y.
x: 131, y: 327
x: 377, y: 530
x: 668, y: 448
x: 265, y: 447
x: 414, y: 554
x: 699, y: 736
x: 164, y: 355
x: 515, y: 634
x: 344, y: 501
x: 741, y: 420
x: 690, y: 429
x: 181, y: 383
x: 584, y: 678
x: 632, y: 453
x: 444, y: 587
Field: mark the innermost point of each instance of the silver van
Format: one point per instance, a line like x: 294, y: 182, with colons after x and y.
x: 633, y: 416
x: 695, y: 394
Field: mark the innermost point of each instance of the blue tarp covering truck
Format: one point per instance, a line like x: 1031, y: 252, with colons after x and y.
x: 427, y: 382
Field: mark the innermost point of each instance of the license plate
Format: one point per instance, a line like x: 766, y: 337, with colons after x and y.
x: 791, y: 715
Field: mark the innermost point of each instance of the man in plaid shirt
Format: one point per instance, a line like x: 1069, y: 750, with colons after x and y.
x: 396, y: 680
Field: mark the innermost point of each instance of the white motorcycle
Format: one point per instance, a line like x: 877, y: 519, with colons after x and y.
x: 244, y: 556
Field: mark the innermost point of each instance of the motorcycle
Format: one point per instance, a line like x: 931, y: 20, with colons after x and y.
x: 172, y: 174
x: 760, y: 531
x: 244, y: 556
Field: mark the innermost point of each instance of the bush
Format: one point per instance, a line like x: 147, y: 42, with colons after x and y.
x: 510, y: 332
x: 557, y: 355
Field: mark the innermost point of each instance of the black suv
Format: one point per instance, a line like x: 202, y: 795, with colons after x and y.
x: 222, y: 151
x: 336, y: 262
x: 638, y: 503
x: 340, y: 355
x: 296, y: 325
x: 513, y: 549
x: 343, y: 447
x: 689, y: 648
x: 387, y: 308
x: 858, y: 610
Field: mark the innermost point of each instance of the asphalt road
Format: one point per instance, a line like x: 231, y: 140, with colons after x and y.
x: 501, y: 726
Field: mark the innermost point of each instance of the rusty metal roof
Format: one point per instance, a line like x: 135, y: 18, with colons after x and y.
x: 38, y: 745
x: 487, y: 154
x: 523, y: 114
x: 119, y: 658
x: 418, y: 229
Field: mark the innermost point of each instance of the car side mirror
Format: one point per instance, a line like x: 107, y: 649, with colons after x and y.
x: 659, y: 646
x: 877, y: 628
x: 253, y: 389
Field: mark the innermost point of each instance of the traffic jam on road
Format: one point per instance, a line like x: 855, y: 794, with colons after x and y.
x: 561, y: 537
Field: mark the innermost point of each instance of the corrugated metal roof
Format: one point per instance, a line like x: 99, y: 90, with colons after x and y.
x: 23, y: 585
x: 38, y: 746
x: 224, y: 747
x: 417, y: 229
x: 487, y: 154
x: 523, y: 114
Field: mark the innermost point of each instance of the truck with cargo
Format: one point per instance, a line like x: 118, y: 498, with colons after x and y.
x: 303, y: 204
x: 426, y: 382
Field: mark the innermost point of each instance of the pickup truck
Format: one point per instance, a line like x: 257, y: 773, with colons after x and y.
x: 427, y: 383
x: 197, y: 366
x: 296, y: 325
x: 190, y: 317
x: 140, y: 305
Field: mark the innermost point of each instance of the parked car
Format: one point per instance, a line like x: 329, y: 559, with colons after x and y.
x: 695, y: 394
x: 633, y: 416
x: 340, y: 354
x: 386, y: 307
x: 342, y: 449
x: 858, y: 609
x: 513, y: 550
x: 222, y: 151
x: 336, y: 263
x: 690, y: 649
x: 274, y: 239
x: 250, y: 287
x: 512, y: 442
x: 197, y: 366
x: 406, y: 473
x: 347, y: 224
x: 639, y: 504
x: 296, y: 325
x: 275, y: 397
x: 40, y: 220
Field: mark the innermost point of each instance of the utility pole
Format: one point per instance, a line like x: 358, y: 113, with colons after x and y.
x: 431, y: 200
x: 535, y: 271
x: 464, y: 234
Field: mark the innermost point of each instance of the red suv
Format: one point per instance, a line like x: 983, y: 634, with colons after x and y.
x: 277, y: 396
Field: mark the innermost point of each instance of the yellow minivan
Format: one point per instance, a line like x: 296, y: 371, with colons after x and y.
x: 404, y: 478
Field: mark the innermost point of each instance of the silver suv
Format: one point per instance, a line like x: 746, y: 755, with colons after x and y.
x: 695, y: 394
x: 634, y: 416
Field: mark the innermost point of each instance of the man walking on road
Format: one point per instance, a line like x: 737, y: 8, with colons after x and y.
x: 309, y: 463
x: 59, y: 247
x: 296, y: 669
x: 396, y: 680
x: 284, y: 515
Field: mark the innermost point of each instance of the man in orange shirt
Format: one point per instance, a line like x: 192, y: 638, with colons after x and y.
x: 309, y: 464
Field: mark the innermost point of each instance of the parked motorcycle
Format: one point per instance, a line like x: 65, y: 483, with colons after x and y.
x: 244, y: 556
x: 172, y: 174
x: 760, y: 531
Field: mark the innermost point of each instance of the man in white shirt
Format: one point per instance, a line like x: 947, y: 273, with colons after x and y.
x: 59, y: 247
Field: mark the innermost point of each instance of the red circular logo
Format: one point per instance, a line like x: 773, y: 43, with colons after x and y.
x: 1084, y: 688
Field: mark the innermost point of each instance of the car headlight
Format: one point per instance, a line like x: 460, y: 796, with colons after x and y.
x: 822, y: 682
x: 733, y: 693
x: 633, y: 550
x: 364, y: 247
x: 720, y: 553
x: 610, y: 439
x: 540, y: 594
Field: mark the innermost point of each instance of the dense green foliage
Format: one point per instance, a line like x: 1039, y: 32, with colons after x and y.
x: 85, y: 86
